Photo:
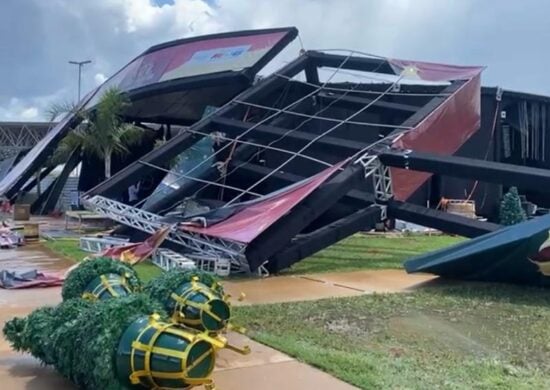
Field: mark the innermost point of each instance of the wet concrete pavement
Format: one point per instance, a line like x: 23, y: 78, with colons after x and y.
x: 319, y: 286
x: 32, y: 256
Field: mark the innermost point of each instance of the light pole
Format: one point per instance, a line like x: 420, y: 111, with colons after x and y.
x: 80, y: 65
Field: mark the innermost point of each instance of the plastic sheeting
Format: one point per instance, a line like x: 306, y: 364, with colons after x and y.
x: 14, y: 280
x: 137, y: 252
x: 253, y: 218
x: 191, y: 163
x: 430, y: 71
x: 516, y: 254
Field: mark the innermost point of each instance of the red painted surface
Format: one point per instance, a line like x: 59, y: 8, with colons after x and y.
x: 443, y: 131
x: 246, y: 225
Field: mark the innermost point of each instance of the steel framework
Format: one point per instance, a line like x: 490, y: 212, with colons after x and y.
x: 199, y: 247
x: 18, y: 136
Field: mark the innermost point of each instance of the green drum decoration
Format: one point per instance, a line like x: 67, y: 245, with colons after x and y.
x: 199, y: 306
x: 161, y: 355
x: 107, y: 286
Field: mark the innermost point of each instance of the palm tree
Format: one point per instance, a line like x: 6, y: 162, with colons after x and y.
x: 102, y: 132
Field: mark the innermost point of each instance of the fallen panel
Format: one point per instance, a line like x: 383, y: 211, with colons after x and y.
x: 251, y: 219
x: 516, y: 254
x: 186, y: 75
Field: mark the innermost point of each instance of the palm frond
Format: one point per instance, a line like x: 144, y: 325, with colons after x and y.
x: 65, y: 148
x: 56, y: 110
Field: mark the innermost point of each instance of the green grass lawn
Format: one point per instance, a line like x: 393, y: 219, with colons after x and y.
x: 370, y: 252
x: 473, y: 336
x: 69, y: 248
x: 354, y: 253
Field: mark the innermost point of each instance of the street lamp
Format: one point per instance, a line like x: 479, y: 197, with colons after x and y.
x: 80, y: 65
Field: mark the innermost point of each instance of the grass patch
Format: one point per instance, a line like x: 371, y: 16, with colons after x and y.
x: 370, y: 252
x: 354, y: 253
x: 69, y: 248
x: 473, y: 336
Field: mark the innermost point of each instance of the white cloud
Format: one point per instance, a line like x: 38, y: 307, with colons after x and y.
x: 30, y: 109
x: 99, y: 78
x: 29, y: 114
x: 112, y: 32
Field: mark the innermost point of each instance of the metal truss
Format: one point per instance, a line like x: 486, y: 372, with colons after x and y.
x: 199, y: 247
x: 98, y: 244
x: 167, y: 260
x: 15, y: 137
x: 381, y: 180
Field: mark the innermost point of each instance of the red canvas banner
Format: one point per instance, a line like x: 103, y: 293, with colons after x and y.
x: 137, y: 252
x: 244, y: 226
x: 443, y: 131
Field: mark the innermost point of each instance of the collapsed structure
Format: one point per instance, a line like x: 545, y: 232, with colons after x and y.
x: 263, y: 172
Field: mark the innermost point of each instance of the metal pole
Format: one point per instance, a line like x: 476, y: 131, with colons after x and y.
x: 80, y: 65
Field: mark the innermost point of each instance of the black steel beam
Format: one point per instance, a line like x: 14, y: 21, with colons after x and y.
x: 55, y: 190
x: 30, y: 185
x: 440, y: 220
x: 271, y: 133
x: 279, y: 235
x: 528, y: 178
x: 355, y: 198
x: 347, y: 100
x: 312, y: 74
x: 308, y: 244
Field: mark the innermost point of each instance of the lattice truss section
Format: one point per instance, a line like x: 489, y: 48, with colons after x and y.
x: 198, y: 247
x: 15, y: 137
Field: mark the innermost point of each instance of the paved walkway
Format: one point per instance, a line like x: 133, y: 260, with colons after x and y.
x: 329, y: 285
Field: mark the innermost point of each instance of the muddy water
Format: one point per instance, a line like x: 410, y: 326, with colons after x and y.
x: 32, y: 257
x: 21, y: 371
x: 329, y: 285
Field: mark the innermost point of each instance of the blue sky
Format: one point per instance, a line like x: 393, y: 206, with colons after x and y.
x: 160, y: 3
x: 38, y: 37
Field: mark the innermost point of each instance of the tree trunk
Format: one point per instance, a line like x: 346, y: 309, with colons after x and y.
x: 107, y: 165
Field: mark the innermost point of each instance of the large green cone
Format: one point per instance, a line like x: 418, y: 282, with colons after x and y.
x: 80, y: 338
x: 80, y: 281
x: 155, y: 354
x: 193, y: 298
